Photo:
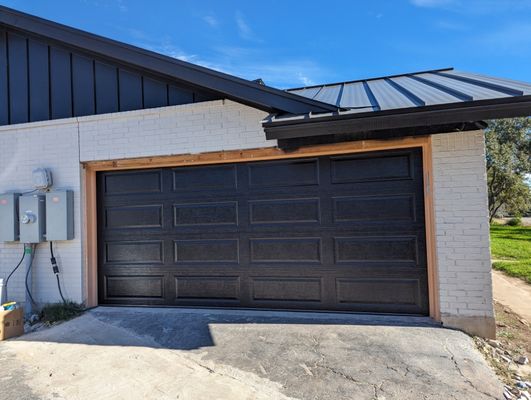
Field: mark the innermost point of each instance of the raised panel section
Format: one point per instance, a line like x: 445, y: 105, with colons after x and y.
x: 178, y: 96
x: 374, y: 208
x: 4, y: 98
x: 284, y: 173
x: 207, y: 251
x: 134, y: 287
x: 286, y: 289
x: 155, y: 93
x: 83, y: 85
x: 60, y: 83
x: 18, y: 78
x: 106, y: 78
x: 134, y: 252
x: 376, y: 248
x: 207, y: 287
x: 284, y: 211
x: 364, y: 168
x: 133, y: 182
x: 286, y: 250
x: 149, y: 216
x: 223, y: 213
x: 39, y: 95
x: 130, y: 90
x: 204, y: 178
x: 378, y: 291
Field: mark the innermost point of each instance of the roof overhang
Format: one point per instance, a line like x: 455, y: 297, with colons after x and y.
x: 398, y: 120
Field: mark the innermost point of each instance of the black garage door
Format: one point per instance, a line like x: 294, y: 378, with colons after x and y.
x: 328, y: 233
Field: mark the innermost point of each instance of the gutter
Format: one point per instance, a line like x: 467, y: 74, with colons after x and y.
x: 356, y: 122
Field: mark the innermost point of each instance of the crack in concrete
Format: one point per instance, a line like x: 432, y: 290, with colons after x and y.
x: 320, y: 364
x: 458, y: 368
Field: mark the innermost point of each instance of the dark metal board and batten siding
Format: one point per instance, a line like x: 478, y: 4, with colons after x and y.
x: 41, y: 81
x: 343, y: 233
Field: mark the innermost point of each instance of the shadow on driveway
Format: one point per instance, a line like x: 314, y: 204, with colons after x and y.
x: 189, y: 329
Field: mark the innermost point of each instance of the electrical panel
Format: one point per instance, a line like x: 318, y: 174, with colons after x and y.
x: 9, y: 217
x: 32, y: 218
x: 60, y: 215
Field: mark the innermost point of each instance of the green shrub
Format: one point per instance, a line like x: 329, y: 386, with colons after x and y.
x: 56, y: 312
x: 515, y: 221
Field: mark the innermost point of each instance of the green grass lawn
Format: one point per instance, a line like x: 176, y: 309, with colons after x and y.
x: 511, y: 250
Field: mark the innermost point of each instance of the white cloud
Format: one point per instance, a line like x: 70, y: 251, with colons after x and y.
x: 305, y: 80
x: 246, y: 62
x: 431, y: 3
x: 211, y: 20
x: 244, y: 29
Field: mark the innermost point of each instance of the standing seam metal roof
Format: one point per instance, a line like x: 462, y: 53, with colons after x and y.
x: 436, y: 87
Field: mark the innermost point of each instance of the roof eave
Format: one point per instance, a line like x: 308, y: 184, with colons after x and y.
x: 234, y: 88
x: 345, y: 123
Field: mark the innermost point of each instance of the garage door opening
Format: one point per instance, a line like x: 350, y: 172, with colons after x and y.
x: 335, y: 233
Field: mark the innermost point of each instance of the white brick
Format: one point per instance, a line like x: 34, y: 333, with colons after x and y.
x: 461, y: 224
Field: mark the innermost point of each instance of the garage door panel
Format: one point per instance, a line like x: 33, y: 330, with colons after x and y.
x: 378, y: 291
x: 285, y: 211
x: 204, y: 178
x: 134, y: 252
x: 133, y: 182
x: 213, y: 213
x: 286, y: 289
x: 327, y: 233
x: 285, y: 250
x: 367, y: 209
x: 363, y: 168
x: 376, y: 248
x: 207, y: 251
x: 283, y: 173
x: 133, y: 216
x: 134, y: 287
x: 207, y: 288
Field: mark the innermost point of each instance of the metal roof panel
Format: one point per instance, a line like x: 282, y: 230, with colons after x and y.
x: 428, y: 94
x: 329, y: 94
x: 475, y: 91
x: 355, y: 96
x: 509, y: 83
x: 389, y: 97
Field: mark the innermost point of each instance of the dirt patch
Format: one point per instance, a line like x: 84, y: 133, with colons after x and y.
x: 507, y: 354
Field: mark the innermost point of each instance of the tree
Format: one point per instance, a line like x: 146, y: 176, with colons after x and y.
x: 508, y: 147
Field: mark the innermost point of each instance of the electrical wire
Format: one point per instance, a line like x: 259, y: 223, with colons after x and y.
x: 56, y: 271
x: 31, y: 191
x: 60, y: 291
x: 14, y: 269
x: 28, y: 272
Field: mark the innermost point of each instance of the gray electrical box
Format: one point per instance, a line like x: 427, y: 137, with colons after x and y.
x: 9, y: 217
x: 60, y: 215
x: 32, y: 218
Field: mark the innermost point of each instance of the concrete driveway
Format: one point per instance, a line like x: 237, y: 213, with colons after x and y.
x: 143, y: 353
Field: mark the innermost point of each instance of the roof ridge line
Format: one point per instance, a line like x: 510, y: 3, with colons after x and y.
x: 371, y: 79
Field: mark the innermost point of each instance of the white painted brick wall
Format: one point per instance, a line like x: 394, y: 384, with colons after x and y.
x: 23, y: 148
x: 459, y: 185
x: 192, y: 128
x: 462, y: 224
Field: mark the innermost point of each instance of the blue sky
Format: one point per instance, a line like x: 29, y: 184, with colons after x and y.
x: 292, y: 43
